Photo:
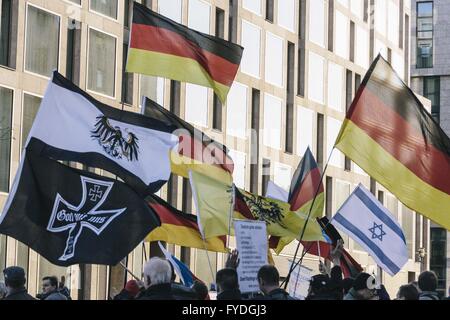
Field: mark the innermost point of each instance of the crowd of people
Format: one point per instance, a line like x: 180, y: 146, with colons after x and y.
x: 159, y: 284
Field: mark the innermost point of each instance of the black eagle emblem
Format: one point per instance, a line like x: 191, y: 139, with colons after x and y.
x: 264, y: 209
x: 113, y: 142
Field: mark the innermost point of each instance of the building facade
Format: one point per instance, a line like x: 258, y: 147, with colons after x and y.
x: 303, y: 62
x: 430, y: 76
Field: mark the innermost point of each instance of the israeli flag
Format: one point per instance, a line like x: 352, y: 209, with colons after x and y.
x: 372, y: 226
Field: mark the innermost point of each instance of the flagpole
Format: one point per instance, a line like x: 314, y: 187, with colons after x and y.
x: 307, y: 219
x: 129, y: 271
x: 233, y: 201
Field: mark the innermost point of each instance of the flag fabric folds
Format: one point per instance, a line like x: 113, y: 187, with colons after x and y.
x: 180, y: 228
x: 70, y: 216
x: 371, y: 225
x: 162, y: 47
x: 196, y: 151
x: 73, y: 126
x: 213, y: 200
x: 390, y: 135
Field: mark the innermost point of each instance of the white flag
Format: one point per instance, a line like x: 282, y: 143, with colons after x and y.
x: 372, y: 226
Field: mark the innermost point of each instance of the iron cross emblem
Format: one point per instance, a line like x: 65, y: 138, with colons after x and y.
x: 87, y: 214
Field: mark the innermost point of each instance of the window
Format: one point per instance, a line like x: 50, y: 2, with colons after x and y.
x: 330, y: 25
x: 152, y: 88
x: 217, y: 104
x: 265, y: 175
x: 127, y: 79
x: 380, y: 16
x: 175, y: 97
x: 316, y: 78
x: 302, y: 19
x: 357, y: 82
x: 253, y: 6
x: 342, y: 39
x: 290, y: 98
x: 438, y: 257
x: 342, y: 191
x: 42, y: 41
x: 392, y: 205
x: 393, y: 22
x: 272, y: 121
x: 251, y: 41
x: 237, y: 110
x: 317, y: 22
x: 352, y: 41
x: 239, y: 159
x: 197, y: 105
x: 357, y: 8
x: 107, y: 8
x: 406, y: 51
x: 102, y: 63
x: 305, y: 120
x: 73, y: 51
x: 319, y: 139
x: 348, y: 89
x: 408, y: 229
x: 170, y: 9
x: 366, y: 10
x: 282, y: 175
x: 8, y: 32
x: 30, y: 108
x: 274, y: 59
x: 286, y: 14
x: 424, y: 34
x: 199, y: 15
x: 172, y: 190
x: 6, y: 108
x: 269, y: 10
x: 333, y: 128
x: 335, y: 86
x: 254, y: 153
x: 301, y: 69
x: 432, y: 91
x: 362, y: 47
x: 401, y: 28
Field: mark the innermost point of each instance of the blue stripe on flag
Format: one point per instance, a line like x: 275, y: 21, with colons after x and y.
x: 376, y: 250
x: 387, y: 220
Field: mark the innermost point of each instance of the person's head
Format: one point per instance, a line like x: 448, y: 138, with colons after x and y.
x: 319, y: 284
x: 268, y: 278
x: 227, y: 279
x: 3, y: 291
x: 428, y: 281
x: 408, y: 292
x: 49, y: 284
x: 365, y: 286
x: 156, y: 271
x: 200, y: 289
x: 62, y: 282
x: 347, y: 284
x: 14, y: 277
x: 132, y: 287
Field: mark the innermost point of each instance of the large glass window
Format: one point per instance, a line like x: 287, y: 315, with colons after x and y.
x: 237, y: 110
x: 253, y: 6
x: 282, y: 175
x: 316, y: 78
x: 333, y: 128
x: 5, y: 31
x: 305, y: 118
x: 317, y: 22
x: 170, y: 9
x: 105, y: 7
x: 342, y: 192
x: 408, y: 229
x: 432, y: 91
x: 438, y: 257
x: 251, y: 41
x: 272, y: 121
x: 424, y: 34
x: 362, y: 47
x: 6, y: 105
x: 30, y: 108
x: 152, y: 88
x: 286, y: 14
x: 342, y: 35
x: 197, y: 104
x: 240, y: 164
x: 102, y: 63
x: 274, y: 60
x: 335, y: 86
x: 199, y: 16
x: 42, y: 41
x: 393, y: 22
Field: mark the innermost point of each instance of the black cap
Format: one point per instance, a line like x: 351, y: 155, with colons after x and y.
x: 14, y: 274
x: 319, y: 281
x: 364, y: 281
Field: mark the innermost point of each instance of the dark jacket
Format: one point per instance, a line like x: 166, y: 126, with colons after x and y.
x: 230, y: 295
x: 65, y: 291
x: 21, y: 294
x: 123, y: 295
x: 181, y: 292
x: 158, y: 292
x: 278, y: 294
x: 428, y: 295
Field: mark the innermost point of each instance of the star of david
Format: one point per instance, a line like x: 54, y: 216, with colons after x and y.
x: 377, y: 235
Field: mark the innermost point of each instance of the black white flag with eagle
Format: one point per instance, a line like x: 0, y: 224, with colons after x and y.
x: 71, y: 125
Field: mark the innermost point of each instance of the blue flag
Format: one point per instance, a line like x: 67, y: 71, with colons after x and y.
x: 373, y: 227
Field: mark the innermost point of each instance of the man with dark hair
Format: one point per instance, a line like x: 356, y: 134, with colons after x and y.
x: 269, y: 284
x: 228, y: 285
x: 428, y: 285
x: 50, y: 289
x: 408, y: 292
x: 63, y: 289
x: 15, y: 284
x: 201, y: 290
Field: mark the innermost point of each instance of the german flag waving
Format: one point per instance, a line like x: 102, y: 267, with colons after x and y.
x: 162, y: 47
x: 390, y: 135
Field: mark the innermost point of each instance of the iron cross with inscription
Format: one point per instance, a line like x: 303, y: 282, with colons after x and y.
x: 66, y: 216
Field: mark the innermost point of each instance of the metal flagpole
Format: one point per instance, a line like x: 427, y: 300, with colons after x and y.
x: 307, y: 219
x: 233, y: 201
x: 129, y: 271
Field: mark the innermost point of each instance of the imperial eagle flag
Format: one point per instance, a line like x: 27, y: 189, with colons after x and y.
x: 71, y: 216
x: 162, y: 47
x: 71, y: 125
x: 389, y: 134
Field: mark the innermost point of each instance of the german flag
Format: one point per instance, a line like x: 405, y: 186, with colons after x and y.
x: 305, y: 184
x: 162, y: 47
x: 195, y: 148
x: 180, y: 228
x: 390, y: 135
